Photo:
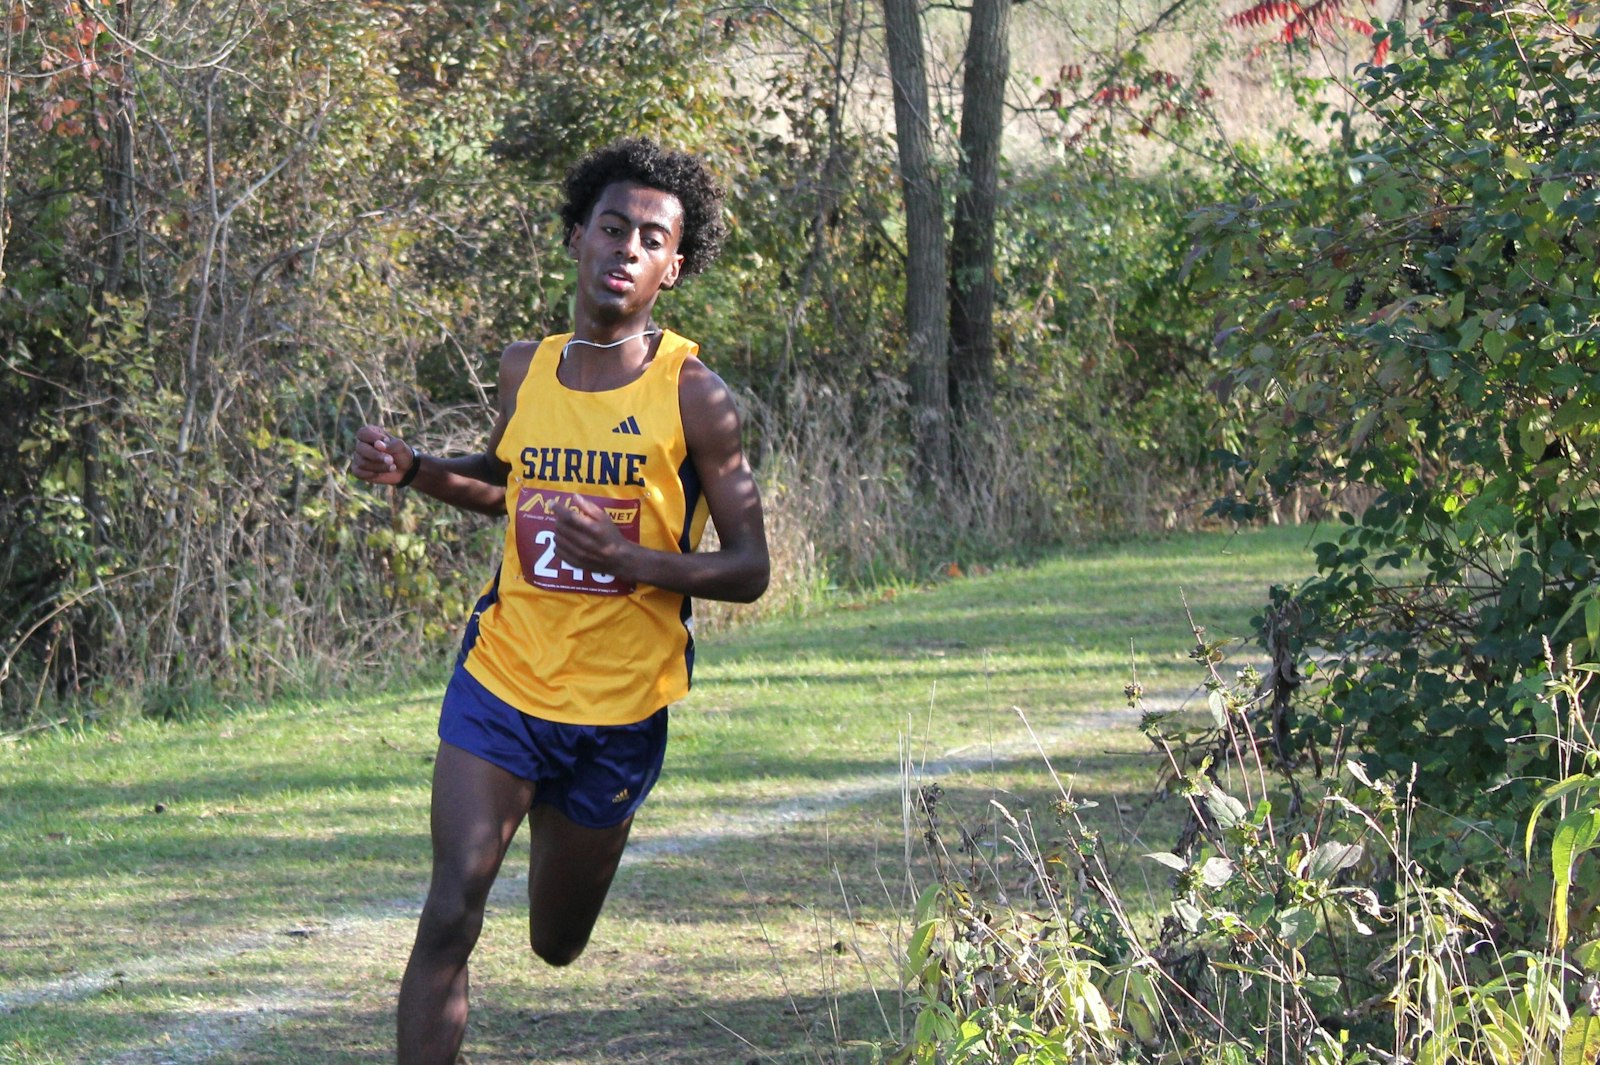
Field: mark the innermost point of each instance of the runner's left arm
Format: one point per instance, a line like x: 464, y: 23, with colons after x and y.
x: 738, y: 570
x: 471, y: 482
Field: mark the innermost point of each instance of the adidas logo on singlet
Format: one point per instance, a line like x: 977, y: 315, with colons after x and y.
x: 628, y: 427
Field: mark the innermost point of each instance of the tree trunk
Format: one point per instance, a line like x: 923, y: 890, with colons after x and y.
x: 118, y: 212
x: 972, y: 291
x: 927, y: 322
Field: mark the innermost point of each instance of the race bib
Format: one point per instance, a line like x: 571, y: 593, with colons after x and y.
x: 536, y: 542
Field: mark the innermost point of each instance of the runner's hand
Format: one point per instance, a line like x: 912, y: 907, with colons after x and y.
x: 587, y: 538
x: 380, y: 457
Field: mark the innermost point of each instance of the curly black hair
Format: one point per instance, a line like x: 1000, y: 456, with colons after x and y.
x: 642, y: 160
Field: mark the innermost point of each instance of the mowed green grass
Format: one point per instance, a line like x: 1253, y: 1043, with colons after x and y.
x: 243, y: 888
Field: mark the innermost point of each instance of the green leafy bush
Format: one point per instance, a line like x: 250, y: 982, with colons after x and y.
x: 1421, y: 328
x: 1300, y: 925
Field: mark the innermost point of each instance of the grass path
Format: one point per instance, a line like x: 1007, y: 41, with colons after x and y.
x: 264, y: 913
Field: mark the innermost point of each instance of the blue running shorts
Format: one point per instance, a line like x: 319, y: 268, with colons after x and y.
x: 597, y: 775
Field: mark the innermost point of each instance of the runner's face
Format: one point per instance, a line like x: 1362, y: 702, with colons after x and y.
x: 628, y: 251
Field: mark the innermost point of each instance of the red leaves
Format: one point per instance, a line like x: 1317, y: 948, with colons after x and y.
x: 77, y: 46
x: 1148, y: 95
x: 1119, y: 94
x: 1261, y: 13
x: 55, y: 116
x: 1299, y: 20
x: 1161, y: 84
x: 1083, y: 132
x: 77, y: 49
x: 1309, y: 22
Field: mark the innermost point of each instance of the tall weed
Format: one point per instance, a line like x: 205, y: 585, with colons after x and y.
x: 1299, y: 925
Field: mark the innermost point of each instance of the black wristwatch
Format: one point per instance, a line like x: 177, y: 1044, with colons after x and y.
x: 411, y: 474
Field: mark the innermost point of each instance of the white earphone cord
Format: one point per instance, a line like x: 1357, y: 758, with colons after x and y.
x: 613, y: 344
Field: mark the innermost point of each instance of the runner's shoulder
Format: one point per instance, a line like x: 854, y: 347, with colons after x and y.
x: 705, y: 402
x: 699, y: 384
x: 518, y: 353
x: 515, y: 360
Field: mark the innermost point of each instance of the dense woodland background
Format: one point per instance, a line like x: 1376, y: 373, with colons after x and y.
x: 232, y: 232
x: 1002, y: 278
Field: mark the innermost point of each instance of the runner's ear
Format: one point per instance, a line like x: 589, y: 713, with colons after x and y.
x: 671, y: 280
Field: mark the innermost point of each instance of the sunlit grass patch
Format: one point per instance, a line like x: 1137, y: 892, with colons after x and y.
x: 254, y: 876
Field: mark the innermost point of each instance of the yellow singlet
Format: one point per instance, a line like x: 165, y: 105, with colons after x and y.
x: 581, y: 647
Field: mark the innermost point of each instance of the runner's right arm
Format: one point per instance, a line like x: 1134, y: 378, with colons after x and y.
x: 472, y: 482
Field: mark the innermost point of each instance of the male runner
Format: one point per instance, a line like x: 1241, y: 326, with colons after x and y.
x: 612, y: 446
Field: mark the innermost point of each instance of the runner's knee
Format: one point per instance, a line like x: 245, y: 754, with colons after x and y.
x: 450, y: 922
x: 554, y: 947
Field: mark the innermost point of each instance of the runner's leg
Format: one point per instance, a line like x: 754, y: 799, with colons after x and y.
x: 570, y: 868
x: 476, y: 809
